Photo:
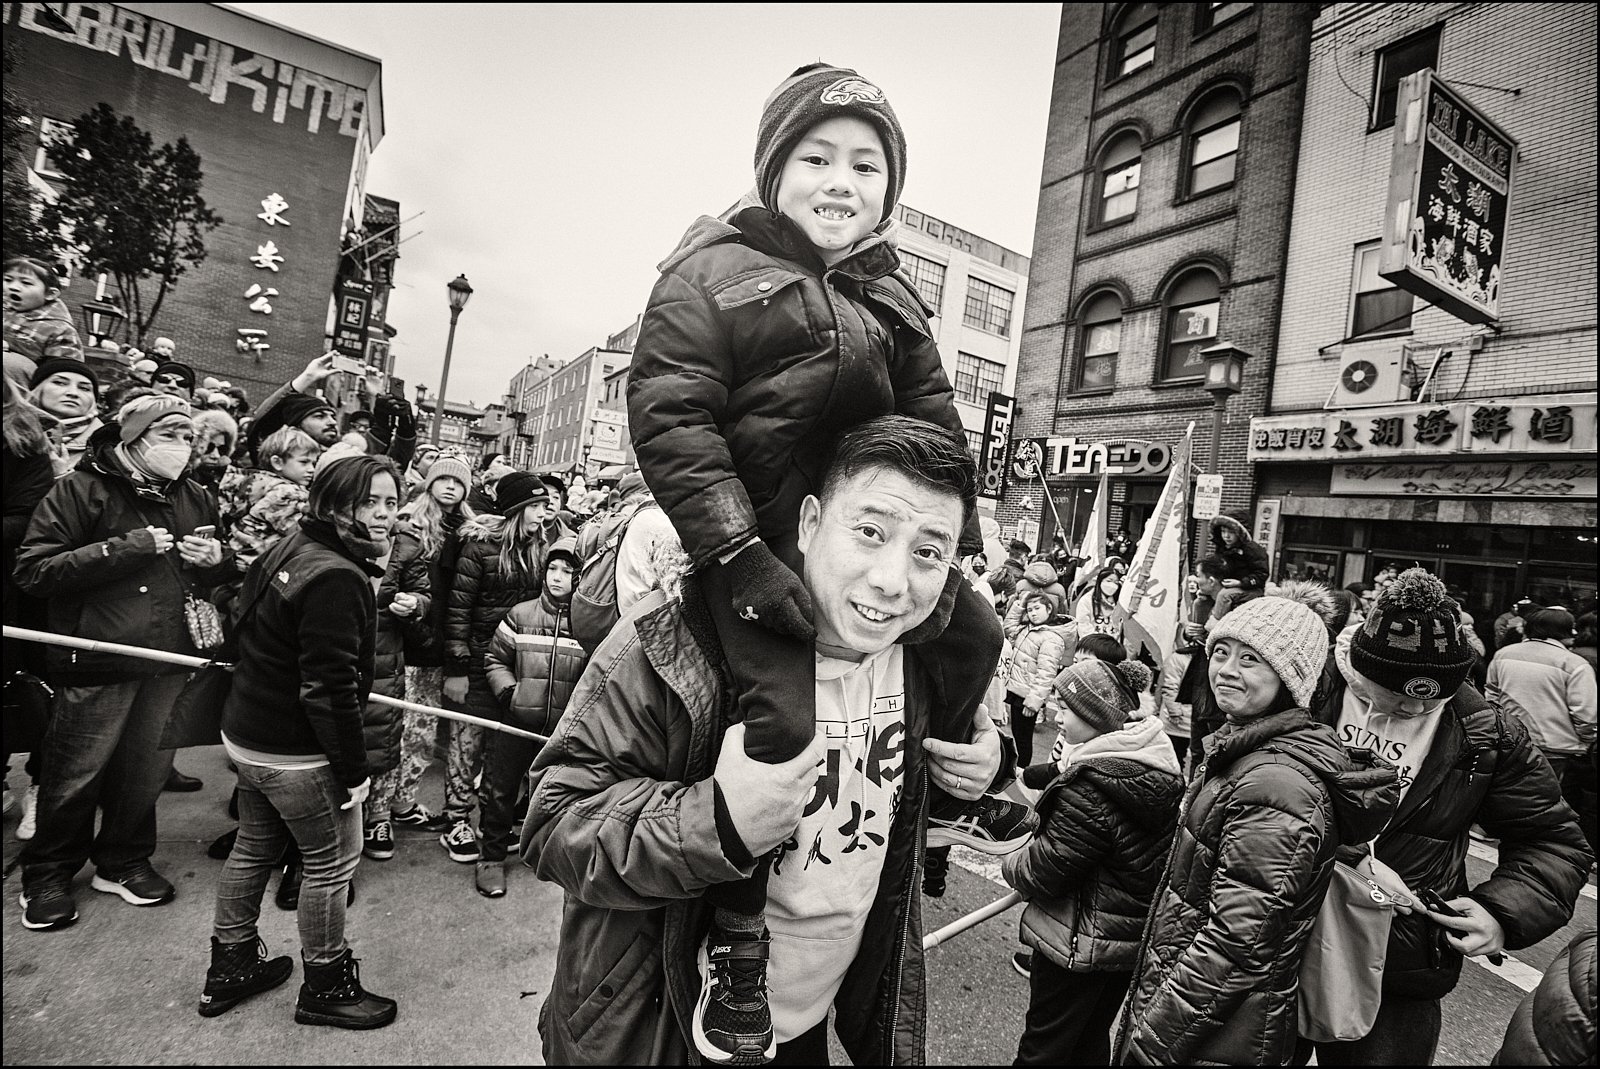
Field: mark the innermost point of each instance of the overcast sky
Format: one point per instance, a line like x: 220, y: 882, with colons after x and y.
x: 559, y: 152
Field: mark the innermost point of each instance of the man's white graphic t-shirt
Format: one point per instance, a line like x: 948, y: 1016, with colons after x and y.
x: 825, y: 877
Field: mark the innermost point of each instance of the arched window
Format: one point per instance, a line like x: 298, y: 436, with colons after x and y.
x: 1214, y: 142
x: 1101, y: 340
x: 1134, y: 45
x: 1119, y: 178
x: 1192, y: 306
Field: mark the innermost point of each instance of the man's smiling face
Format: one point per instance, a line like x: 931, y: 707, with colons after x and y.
x: 878, y: 550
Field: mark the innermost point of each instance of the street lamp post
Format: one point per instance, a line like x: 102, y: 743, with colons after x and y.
x: 1224, y: 377
x: 457, y: 291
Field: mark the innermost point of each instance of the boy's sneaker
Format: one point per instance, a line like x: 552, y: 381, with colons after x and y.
x: 419, y: 817
x: 460, y: 843
x: 139, y: 885
x: 733, y: 1019
x: 377, y: 842
x: 1022, y: 961
x: 990, y: 825
x: 48, y: 908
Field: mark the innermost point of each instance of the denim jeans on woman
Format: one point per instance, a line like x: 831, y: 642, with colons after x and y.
x: 274, y: 806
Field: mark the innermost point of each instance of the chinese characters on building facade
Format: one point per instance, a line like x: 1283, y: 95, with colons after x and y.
x: 1556, y: 423
x: 1449, y: 184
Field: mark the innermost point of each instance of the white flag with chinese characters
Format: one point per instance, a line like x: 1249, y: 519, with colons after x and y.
x: 1152, y: 592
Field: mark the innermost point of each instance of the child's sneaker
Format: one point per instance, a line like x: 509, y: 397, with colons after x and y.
x: 419, y: 817
x: 378, y: 841
x: 990, y: 825
x: 460, y: 843
x: 935, y: 871
x: 733, y: 1019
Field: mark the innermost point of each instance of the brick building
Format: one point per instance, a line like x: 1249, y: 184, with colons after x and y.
x: 976, y: 288
x: 284, y: 125
x: 1467, y: 447
x: 575, y: 391
x: 1163, y: 207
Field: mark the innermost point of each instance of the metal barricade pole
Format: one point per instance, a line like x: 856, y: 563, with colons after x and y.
x: 50, y: 638
x: 971, y: 920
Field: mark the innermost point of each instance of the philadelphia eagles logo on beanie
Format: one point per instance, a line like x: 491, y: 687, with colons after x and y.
x: 1411, y: 642
x: 851, y: 91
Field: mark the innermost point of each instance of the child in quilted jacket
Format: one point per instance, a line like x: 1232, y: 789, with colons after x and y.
x: 532, y: 665
x: 264, y: 505
x: 1039, y: 649
x: 1106, y: 818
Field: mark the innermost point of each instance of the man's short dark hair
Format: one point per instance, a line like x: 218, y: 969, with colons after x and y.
x: 1211, y: 565
x: 923, y: 452
x: 343, y: 485
x: 1550, y: 623
x: 487, y: 459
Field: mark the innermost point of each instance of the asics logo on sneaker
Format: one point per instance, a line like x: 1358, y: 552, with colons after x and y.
x: 721, y: 950
x: 852, y: 90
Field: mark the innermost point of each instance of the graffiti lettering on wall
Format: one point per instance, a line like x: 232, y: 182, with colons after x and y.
x: 211, y: 67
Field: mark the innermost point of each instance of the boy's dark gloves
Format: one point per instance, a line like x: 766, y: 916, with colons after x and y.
x: 766, y: 591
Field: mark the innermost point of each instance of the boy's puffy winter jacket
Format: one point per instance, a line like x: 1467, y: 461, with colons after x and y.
x: 753, y: 357
x: 534, y: 662
x: 1555, y: 1023
x: 1105, y: 825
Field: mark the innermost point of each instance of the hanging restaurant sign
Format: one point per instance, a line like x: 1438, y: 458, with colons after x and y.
x: 1031, y: 457
x: 1449, y: 186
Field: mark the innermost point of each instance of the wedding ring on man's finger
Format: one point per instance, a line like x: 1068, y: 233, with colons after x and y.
x: 958, y: 783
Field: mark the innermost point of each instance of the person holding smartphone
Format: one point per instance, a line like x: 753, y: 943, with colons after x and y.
x: 299, y: 403
x: 114, y: 548
x: 1399, y: 686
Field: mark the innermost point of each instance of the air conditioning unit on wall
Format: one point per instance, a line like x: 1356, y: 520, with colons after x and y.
x: 1372, y: 379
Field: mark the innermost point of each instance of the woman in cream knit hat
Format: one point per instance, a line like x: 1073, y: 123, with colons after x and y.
x: 1274, y: 796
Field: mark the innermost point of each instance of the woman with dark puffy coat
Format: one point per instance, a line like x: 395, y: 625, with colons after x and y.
x: 501, y: 564
x: 1218, y: 973
x: 1554, y: 1024
x: 1111, y: 790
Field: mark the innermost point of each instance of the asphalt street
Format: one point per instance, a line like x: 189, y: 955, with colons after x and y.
x: 469, y: 973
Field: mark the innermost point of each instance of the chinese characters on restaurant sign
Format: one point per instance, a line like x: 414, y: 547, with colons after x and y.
x: 1449, y: 185
x: 1557, y: 423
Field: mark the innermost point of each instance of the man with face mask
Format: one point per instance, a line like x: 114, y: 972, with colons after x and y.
x: 1398, y: 686
x: 113, y: 549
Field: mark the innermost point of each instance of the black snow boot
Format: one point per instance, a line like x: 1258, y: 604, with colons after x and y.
x: 333, y: 995
x: 239, y: 970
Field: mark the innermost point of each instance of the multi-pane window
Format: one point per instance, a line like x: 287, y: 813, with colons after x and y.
x: 1214, y: 142
x: 927, y: 275
x: 1409, y: 56
x: 988, y: 307
x: 52, y: 132
x: 1102, y: 340
x: 1210, y: 15
x: 1377, y: 305
x: 1119, y: 179
x: 1192, y: 310
x: 974, y: 444
x: 1135, y: 41
x: 977, y: 378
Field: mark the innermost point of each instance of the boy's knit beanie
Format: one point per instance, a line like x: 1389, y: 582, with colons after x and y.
x: 1411, y: 641
x: 1288, y: 635
x: 814, y: 94
x: 449, y: 468
x: 54, y: 364
x: 1100, y: 694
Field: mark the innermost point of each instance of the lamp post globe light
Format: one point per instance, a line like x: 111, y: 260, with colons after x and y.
x: 456, y: 291
x: 1224, y: 377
